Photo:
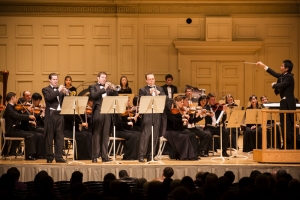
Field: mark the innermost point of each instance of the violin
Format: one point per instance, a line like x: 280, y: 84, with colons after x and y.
x: 2, y: 107
x: 21, y: 107
x: 176, y: 111
x: 218, y: 106
x: 88, y: 111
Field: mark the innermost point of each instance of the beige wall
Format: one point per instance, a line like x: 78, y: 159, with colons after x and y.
x: 209, y: 55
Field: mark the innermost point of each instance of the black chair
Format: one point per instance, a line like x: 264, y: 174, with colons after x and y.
x: 29, y: 185
x: 20, y: 194
x: 60, y: 186
x: 95, y: 186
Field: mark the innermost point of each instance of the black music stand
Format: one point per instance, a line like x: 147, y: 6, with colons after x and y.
x: 113, y: 105
x: 151, y: 105
x: 73, y: 105
x: 218, y: 123
x: 235, y: 120
x: 254, y: 116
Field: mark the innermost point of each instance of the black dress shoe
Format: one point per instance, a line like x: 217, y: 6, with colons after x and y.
x: 141, y: 159
x: 94, y: 160
x: 30, y: 158
x: 49, y: 161
x: 107, y: 160
x: 224, y: 154
x: 60, y: 160
x: 150, y: 159
x: 203, y: 154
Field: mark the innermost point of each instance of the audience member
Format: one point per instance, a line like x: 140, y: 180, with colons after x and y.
x: 167, y: 173
x: 13, y: 171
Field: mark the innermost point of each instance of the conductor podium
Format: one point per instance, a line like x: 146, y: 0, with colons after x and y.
x: 266, y: 155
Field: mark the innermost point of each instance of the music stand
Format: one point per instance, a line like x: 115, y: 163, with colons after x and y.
x: 113, y: 105
x: 151, y: 105
x: 254, y: 116
x: 221, y: 136
x: 74, y: 105
x: 235, y: 120
x: 228, y: 112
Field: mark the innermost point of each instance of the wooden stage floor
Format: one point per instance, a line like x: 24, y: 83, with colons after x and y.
x: 96, y: 171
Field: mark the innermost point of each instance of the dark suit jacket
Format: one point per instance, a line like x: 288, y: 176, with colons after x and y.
x: 51, y: 101
x: 145, y: 91
x: 173, y: 89
x: 13, y: 117
x: 284, y: 87
x: 96, y: 95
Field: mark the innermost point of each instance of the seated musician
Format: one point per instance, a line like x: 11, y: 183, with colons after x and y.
x: 204, y: 136
x: 12, y: 122
x: 249, y: 140
x: 168, y: 88
x: 83, y: 133
x: 229, y: 100
x: 180, y: 138
x: 211, y: 119
x: 26, y: 98
x: 123, y: 124
x: 263, y: 100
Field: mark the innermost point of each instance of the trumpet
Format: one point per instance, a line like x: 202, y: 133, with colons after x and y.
x: 113, y: 86
x: 67, y: 91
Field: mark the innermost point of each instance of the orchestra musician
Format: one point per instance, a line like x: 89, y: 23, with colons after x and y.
x: 125, y: 89
x: 204, y: 136
x: 26, y: 99
x: 229, y: 100
x: 263, y: 100
x: 101, y: 122
x: 182, y: 140
x: 54, y: 122
x: 69, y: 86
x: 249, y: 140
x: 145, y: 141
x: 12, y: 122
x: 211, y: 119
x: 168, y: 88
x: 284, y: 86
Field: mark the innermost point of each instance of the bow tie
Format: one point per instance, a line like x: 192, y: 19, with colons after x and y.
x: 55, y: 88
x: 150, y: 86
x: 100, y: 84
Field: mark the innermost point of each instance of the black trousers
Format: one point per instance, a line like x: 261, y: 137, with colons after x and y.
x: 216, y: 131
x: 131, y: 144
x: 39, y: 142
x: 145, y: 140
x: 101, y: 130
x: 84, y: 143
x: 29, y: 141
x: 204, y: 137
x: 288, y: 126
x: 55, y: 131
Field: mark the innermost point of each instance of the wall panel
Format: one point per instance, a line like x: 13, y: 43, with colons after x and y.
x: 24, y: 59
x: 50, y: 58
x: 76, y: 59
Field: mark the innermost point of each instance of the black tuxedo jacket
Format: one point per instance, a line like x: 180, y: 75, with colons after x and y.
x: 13, y: 117
x: 51, y: 101
x: 96, y: 95
x: 284, y: 87
x: 145, y: 91
x: 173, y: 89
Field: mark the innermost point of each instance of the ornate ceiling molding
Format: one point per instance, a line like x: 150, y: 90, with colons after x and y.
x: 174, y: 9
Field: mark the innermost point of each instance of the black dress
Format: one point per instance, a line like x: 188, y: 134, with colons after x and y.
x: 125, y: 91
x: 183, y: 141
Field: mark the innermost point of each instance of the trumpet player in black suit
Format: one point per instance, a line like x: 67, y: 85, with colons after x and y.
x: 54, y: 122
x: 145, y: 141
x: 101, y: 123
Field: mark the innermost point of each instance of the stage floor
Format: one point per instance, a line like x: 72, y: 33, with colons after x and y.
x: 96, y: 171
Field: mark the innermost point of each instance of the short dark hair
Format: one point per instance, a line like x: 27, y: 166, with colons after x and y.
x: 168, y: 76
x: 230, y: 175
x: 123, y: 173
x: 168, y: 172
x: 288, y: 64
x: 109, y: 177
x: 9, y: 96
x: 150, y: 73
x: 188, y: 88
x: 51, y: 75
x: 36, y: 96
x: 76, y: 177
x: 210, y: 95
x: 14, y: 172
x: 100, y: 73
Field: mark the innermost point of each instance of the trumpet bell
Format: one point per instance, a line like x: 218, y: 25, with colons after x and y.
x: 73, y: 93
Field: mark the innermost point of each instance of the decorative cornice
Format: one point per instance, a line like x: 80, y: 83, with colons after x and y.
x: 203, y: 47
x: 151, y: 9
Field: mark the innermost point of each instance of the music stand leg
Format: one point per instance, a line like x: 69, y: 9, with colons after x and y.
x: 221, y: 141
x: 74, y: 141
x: 237, y: 148
x: 152, y: 160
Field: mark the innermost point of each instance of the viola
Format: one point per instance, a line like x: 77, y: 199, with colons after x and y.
x: 2, y: 107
